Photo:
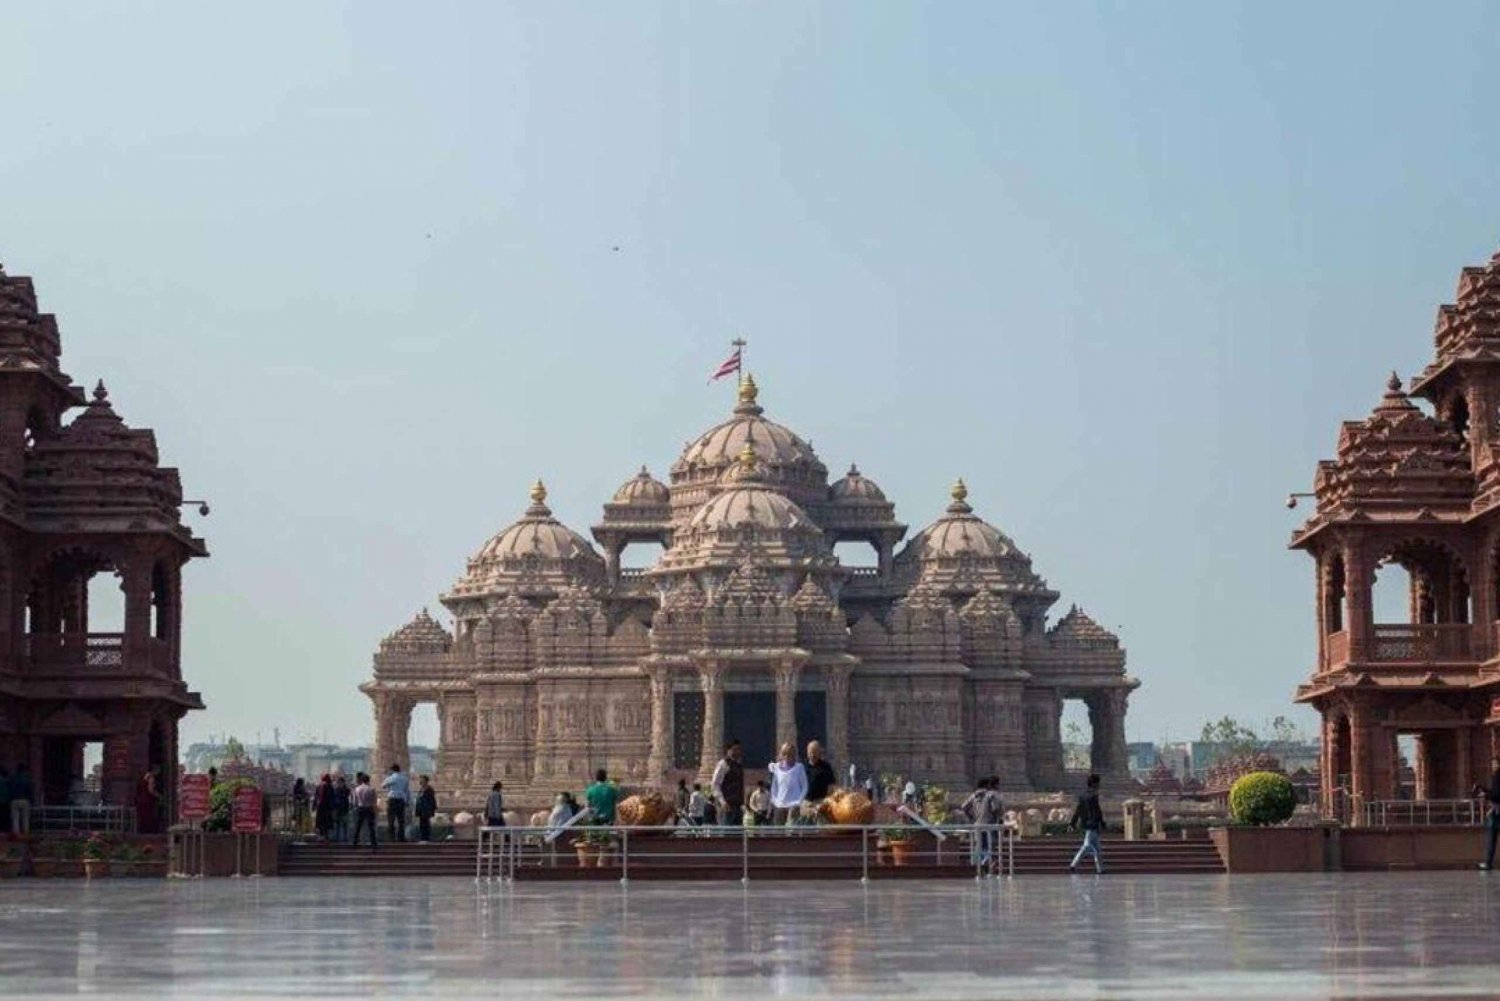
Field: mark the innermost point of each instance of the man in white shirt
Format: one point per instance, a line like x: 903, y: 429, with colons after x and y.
x: 397, y: 795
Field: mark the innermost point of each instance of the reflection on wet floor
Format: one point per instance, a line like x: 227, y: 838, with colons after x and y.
x: 1363, y: 935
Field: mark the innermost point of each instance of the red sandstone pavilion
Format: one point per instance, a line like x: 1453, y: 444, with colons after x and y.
x: 1421, y: 493
x: 77, y: 500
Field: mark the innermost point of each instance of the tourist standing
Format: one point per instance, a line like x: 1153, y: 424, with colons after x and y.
x: 364, y: 809
x: 494, y: 807
x: 341, y: 807
x: 728, y: 784
x: 426, y: 809
x: 601, y: 798
x: 985, y: 808
x: 759, y: 804
x: 397, y: 794
x: 788, y: 785
x: 1492, y: 822
x: 697, y: 809
x: 299, y: 805
x: 20, y: 800
x: 1089, y: 815
x: 323, y: 807
x: 821, y: 777
x: 683, y: 797
x: 147, y: 805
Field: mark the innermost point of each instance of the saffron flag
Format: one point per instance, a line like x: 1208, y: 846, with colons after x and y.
x: 731, y: 365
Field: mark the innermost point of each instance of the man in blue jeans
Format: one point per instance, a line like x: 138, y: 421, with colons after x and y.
x: 1492, y: 822
x: 1090, y: 816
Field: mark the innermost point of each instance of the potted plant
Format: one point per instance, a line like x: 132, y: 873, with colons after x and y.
x: 902, y: 844
x: 95, y: 857
x: 132, y: 859
x: 583, y: 844
x: 10, y: 860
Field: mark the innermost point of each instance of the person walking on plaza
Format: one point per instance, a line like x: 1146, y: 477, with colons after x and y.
x: 494, y: 806
x: 683, y: 797
x: 562, y: 811
x: 364, y: 809
x: 1089, y: 815
x: 323, y: 807
x: 821, y: 777
x: 985, y: 808
x: 788, y: 785
x: 397, y: 795
x: 20, y: 800
x: 728, y: 784
x: 601, y: 798
x: 1492, y: 821
x: 426, y: 808
x: 342, y: 803
x: 697, y: 809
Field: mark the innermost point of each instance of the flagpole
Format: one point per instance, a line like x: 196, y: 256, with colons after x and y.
x: 739, y: 346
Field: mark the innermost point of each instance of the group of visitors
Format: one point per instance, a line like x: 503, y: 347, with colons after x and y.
x: 16, y: 797
x: 333, y: 802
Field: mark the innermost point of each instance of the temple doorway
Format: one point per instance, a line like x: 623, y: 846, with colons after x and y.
x: 750, y: 718
x: 812, y: 721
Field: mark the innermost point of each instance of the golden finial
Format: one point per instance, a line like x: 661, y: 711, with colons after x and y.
x: 538, y: 492
x: 747, y: 457
x: 748, y: 390
x: 959, y: 492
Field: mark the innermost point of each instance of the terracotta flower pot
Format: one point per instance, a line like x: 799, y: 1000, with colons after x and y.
x: 96, y: 868
x: 585, y: 855
x: 901, y: 852
x: 606, y: 858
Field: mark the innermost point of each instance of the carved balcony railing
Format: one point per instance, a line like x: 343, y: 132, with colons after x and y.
x: 1422, y: 642
x: 96, y: 652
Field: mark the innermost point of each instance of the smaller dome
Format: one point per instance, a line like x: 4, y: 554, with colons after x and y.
x: 538, y: 535
x: 642, y: 489
x: 855, y: 486
x: 747, y: 502
x: 960, y: 533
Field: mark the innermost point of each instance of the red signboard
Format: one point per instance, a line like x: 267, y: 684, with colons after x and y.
x: 245, y: 810
x: 117, y: 759
x: 192, y: 798
x: 1495, y: 709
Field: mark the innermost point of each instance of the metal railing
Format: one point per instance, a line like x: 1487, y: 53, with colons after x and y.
x: 1423, y: 813
x: 104, y: 819
x: 989, y: 849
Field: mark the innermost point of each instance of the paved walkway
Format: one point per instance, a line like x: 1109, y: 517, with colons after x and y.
x: 1366, y: 935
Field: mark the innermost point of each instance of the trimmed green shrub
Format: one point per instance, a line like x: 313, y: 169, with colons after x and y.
x: 1261, y: 799
x: 221, y: 802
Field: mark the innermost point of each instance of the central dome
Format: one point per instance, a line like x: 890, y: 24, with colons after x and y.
x: 536, y: 555
x: 787, y: 462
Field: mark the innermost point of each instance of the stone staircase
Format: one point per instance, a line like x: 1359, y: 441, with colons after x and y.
x: 826, y: 857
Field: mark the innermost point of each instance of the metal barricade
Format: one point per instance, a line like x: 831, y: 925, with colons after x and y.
x: 1422, y: 813
x: 827, y: 849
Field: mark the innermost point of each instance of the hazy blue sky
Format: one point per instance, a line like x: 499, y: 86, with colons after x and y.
x: 1123, y: 268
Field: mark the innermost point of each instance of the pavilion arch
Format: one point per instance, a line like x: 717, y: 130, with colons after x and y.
x: 1437, y: 587
x: 59, y: 591
x: 1334, y: 592
x: 1455, y: 413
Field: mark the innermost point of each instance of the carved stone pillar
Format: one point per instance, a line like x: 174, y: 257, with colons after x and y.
x: 1358, y: 579
x: 711, y: 679
x: 837, y: 694
x: 660, y: 758
x: 786, y: 702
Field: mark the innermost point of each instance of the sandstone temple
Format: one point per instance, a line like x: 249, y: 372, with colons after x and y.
x: 84, y: 503
x: 1412, y: 497
x: 936, y: 661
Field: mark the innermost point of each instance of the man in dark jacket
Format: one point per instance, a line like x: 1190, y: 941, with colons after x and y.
x: 1492, y: 822
x: 820, y: 776
x: 426, y: 808
x: 1090, y: 816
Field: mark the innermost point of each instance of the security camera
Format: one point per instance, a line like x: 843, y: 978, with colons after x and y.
x: 203, y: 510
x: 1291, y: 501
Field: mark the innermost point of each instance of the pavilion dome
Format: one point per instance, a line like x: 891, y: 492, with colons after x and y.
x: 964, y: 551
x: 856, y: 487
x: 536, y: 552
x: 423, y: 634
x: 642, y: 490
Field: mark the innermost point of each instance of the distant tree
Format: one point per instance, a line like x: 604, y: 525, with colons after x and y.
x: 1230, y: 734
x: 1284, y: 730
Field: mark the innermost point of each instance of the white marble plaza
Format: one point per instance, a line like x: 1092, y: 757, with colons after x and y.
x: 1423, y: 934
